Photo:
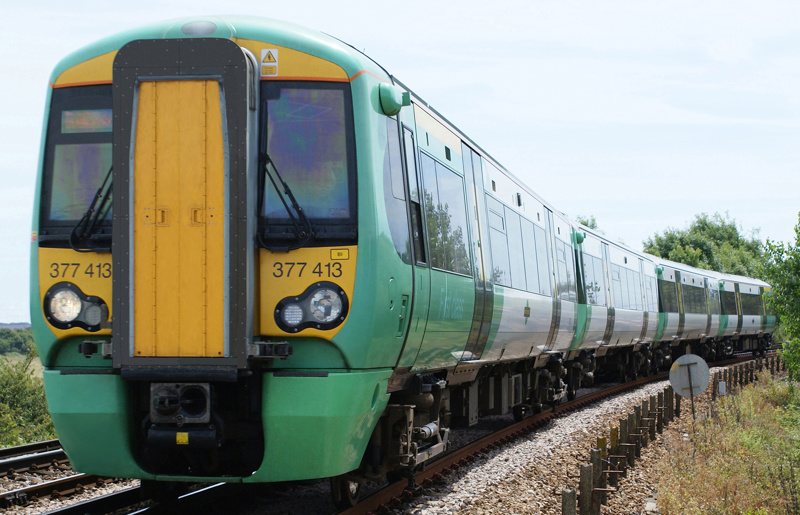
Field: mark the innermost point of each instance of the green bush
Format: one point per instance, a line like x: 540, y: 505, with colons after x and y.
x: 23, y: 409
x: 16, y: 340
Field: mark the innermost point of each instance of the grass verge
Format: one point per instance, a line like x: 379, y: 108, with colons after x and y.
x: 743, y: 459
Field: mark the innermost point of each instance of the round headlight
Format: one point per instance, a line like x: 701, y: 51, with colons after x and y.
x: 65, y: 305
x: 93, y: 314
x: 325, y: 305
x: 292, y: 315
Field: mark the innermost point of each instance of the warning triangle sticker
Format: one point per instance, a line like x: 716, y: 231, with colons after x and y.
x: 269, y: 58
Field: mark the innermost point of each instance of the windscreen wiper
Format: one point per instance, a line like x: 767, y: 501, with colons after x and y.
x: 302, y: 227
x: 98, y: 210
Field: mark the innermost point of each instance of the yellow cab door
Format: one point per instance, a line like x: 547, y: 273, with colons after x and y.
x: 178, y: 223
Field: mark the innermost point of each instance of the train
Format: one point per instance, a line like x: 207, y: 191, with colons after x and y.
x: 257, y: 256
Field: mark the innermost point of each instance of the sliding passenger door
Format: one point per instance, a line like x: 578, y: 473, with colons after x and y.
x: 420, y: 301
x: 481, y: 260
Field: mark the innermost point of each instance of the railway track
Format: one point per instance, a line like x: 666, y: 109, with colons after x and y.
x: 31, y: 458
x: 45, y: 454
x: 398, y: 492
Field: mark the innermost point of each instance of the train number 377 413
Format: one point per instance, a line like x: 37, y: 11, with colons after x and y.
x: 296, y: 269
x: 72, y: 270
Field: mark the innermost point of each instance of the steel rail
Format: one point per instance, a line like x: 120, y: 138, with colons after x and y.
x: 31, y: 448
x: 108, y: 503
x: 34, y: 462
x: 62, y: 487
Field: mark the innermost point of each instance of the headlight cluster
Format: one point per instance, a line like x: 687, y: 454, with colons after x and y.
x: 66, y: 306
x: 321, y: 306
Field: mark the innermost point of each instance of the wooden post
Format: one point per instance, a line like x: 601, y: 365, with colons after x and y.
x: 714, y: 381
x: 613, y: 455
x: 568, y: 499
x: 677, y: 405
x: 670, y: 404
x: 585, y: 499
x: 597, y: 479
x: 613, y: 440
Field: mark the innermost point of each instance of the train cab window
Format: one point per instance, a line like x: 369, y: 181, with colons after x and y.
x: 77, y: 161
x: 446, y: 217
x: 307, y: 139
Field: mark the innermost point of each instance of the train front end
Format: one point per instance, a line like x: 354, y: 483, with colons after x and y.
x: 195, y: 251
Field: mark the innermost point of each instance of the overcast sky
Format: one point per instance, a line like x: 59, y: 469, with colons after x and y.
x: 642, y: 114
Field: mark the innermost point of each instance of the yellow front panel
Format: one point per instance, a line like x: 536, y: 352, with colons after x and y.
x: 91, y: 272
x: 294, y: 64
x: 97, y: 70
x: 286, y: 274
x: 178, y: 218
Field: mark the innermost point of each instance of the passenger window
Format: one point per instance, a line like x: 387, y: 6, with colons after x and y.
x: 516, y: 258
x: 565, y: 260
x: 446, y: 217
x: 729, y: 303
x: 543, y: 258
x: 453, y: 221
x: 497, y: 235
x: 431, y: 199
x: 414, y: 206
x: 669, y: 296
x: 594, y: 280
x: 529, y: 253
x: 394, y: 195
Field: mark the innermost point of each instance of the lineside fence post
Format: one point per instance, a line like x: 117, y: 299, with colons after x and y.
x: 568, y: 500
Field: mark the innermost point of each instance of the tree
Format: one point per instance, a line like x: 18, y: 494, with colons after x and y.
x: 782, y: 271
x: 16, y: 340
x: 589, y: 221
x: 710, y: 242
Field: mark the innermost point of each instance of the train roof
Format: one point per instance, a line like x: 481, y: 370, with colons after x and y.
x: 269, y: 30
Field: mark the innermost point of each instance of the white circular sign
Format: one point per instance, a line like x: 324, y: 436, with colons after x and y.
x: 689, y: 375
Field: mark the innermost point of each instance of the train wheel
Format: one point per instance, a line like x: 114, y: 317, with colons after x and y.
x: 345, y: 492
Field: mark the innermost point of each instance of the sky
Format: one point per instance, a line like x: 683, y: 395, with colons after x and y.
x: 642, y: 114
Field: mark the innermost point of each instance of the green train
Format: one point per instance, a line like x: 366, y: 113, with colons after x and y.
x: 257, y: 256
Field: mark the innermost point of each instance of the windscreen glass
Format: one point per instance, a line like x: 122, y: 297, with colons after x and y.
x: 77, y: 156
x: 309, y: 140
